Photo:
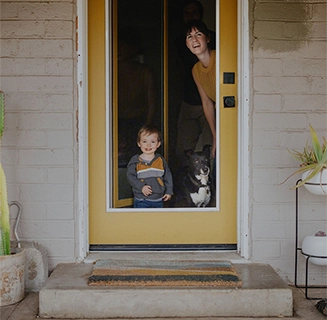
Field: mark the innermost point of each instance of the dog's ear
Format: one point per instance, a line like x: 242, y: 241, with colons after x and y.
x: 206, y: 149
x: 188, y: 153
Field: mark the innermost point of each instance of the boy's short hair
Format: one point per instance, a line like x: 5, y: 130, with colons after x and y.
x: 149, y: 129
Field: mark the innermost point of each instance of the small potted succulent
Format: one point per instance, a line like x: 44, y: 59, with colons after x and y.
x: 12, y: 263
x: 313, y: 165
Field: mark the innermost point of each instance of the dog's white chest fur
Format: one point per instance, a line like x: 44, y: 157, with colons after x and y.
x: 202, y: 197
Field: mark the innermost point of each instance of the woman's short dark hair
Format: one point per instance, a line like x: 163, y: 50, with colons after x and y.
x: 197, y: 24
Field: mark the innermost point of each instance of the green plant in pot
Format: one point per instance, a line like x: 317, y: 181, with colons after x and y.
x: 4, y: 208
x: 313, y: 164
x: 12, y: 271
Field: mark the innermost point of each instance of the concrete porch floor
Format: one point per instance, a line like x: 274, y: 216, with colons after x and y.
x: 68, y: 283
x: 28, y: 310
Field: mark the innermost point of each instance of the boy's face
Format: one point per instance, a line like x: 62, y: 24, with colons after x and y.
x: 149, y: 143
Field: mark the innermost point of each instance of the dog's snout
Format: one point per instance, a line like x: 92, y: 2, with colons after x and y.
x: 205, y: 170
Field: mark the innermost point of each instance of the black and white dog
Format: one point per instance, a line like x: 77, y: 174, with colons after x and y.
x: 196, y: 182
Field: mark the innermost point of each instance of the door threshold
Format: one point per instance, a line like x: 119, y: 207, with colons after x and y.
x: 164, y: 247
x: 232, y: 256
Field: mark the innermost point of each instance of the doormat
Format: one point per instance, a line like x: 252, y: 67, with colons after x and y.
x: 164, y: 273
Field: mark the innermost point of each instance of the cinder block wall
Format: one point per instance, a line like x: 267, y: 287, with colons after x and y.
x: 288, y: 55
x: 39, y: 146
x: 288, y: 39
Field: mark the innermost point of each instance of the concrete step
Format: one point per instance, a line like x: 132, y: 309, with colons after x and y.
x: 67, y: 295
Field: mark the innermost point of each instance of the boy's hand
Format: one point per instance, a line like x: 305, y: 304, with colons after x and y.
x: 147, y: 190
x: 166, y: 197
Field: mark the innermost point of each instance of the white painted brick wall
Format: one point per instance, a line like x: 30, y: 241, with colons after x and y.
x: 39, y: 151
x: 288, y: 40
x: 289, y: 92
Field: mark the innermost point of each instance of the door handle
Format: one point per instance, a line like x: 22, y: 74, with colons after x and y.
x: 229, y: 102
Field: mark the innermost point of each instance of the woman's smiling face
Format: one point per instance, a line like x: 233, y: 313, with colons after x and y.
x: 196, y: 41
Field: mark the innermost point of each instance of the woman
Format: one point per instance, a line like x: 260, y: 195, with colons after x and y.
x: 204, y: 71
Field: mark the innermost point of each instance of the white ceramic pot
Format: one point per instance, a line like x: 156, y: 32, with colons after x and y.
x: 12, y: 278
x: 316, y: 246
x: 318, y: 184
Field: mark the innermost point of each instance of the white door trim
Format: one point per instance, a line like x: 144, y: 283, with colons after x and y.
x: 243, y: 222
x: 81, y: 216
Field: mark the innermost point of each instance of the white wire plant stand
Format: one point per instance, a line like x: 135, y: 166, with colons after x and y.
x: 298, y: 250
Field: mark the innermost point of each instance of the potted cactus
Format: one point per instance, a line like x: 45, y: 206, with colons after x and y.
x: 12, y: 263
x: 4, y: 208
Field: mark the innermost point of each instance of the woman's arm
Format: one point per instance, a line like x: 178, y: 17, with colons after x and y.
x: 209, y: 111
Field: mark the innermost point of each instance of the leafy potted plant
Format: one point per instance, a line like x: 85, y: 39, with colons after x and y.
x: 12, y: 271
x: 313, y: 165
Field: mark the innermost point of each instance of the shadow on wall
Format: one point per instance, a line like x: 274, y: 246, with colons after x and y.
x: 281, y: 26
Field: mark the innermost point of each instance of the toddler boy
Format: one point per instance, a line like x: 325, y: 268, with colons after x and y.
x: 148, y: 173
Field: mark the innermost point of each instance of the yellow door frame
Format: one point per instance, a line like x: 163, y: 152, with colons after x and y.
x: 100, y: 92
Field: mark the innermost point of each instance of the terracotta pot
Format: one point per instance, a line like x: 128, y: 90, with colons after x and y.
x: 12, y: 278
x: 318, y: 184
x: 316, y: 246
